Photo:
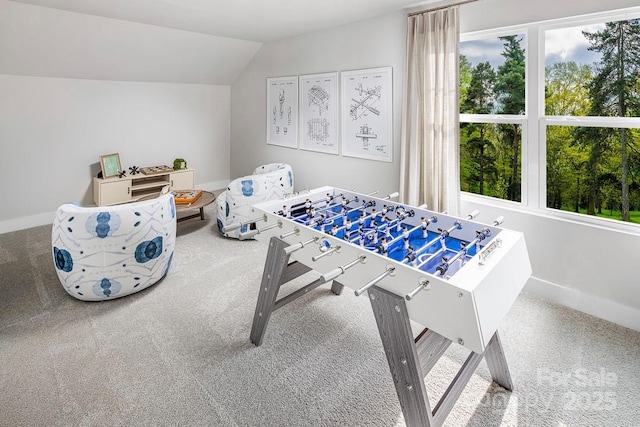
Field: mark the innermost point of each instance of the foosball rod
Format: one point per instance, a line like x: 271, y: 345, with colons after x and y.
x: 340, y: 270
x: 248, y: 234
x: 424, y: 285
x: 389, y: 271
x: 329, y: 251
x: 297, y: 246
x: 235, y: 225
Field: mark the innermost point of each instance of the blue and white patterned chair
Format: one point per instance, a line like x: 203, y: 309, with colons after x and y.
x: 107, y: 252
x: 268, y: 182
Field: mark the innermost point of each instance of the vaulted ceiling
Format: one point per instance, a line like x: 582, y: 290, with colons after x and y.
x: 174, y: 41
x: 254, y: 20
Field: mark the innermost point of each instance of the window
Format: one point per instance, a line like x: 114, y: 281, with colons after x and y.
x: 567, y: 139
x: 492, y: 107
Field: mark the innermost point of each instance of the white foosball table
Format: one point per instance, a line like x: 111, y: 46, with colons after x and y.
x: 455, y: 276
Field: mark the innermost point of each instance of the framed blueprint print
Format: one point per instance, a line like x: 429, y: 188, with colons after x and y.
x: 319, y: 112
x: 282, y: 111
x: 367, y: 102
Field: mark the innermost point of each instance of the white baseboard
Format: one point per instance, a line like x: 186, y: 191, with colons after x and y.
x: 620, y: 314
x: 15, y: 224
x: 215, y: 185
x: 26, y: 222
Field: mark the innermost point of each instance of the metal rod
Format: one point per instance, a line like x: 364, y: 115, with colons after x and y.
x: 424, y: 284
x: 251, y: 233
x: 340, y: 270
x: 446, y: 6
x: 299, y: 245
x: 392, y: 195
x: 377, y: 279
x: 327, y: 252
x: 295, y: 231
x: 236, y: 225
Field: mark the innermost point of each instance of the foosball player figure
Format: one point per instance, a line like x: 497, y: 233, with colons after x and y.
x: 285, y: 212
x: 345, y: 211
x: 411, y: 256
x: 333, y: 231
x: 361, y: 219
x: 347, y: 225
x: 374, y: 214
x: 423, y: 223
x: 327, y: 199
x: 442, y: 268
x: 384, y: 246
x: 307, y: 205
x: 385, y: 209
x: 312, y: 212
x: 347, y: 234
x: 405, y: 236
x: 344, y: 202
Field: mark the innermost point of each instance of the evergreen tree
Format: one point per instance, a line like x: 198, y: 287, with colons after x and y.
x: 510, y: 93
x: 614, y: 92
x: 479, y: 101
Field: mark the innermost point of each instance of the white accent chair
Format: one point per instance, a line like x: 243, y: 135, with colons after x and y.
x: 268, y: 182
x: 107, y: 252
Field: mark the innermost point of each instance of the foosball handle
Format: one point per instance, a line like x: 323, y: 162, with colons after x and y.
x: 392, y: 195
x: 297, y: 246
x: 473, y: 214
x: 498, y: 220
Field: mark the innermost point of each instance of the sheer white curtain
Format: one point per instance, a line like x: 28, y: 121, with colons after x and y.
x: 429, y: 171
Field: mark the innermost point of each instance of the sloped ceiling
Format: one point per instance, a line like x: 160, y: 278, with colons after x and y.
x: 255, y: 20
x: 176, y: 41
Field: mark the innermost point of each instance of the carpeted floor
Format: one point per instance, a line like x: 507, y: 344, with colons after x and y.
x: 179, y: 353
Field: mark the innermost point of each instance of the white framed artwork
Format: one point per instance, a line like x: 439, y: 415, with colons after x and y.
x: 319, y: 112
x: 282, y: 111
x: 367, y: 102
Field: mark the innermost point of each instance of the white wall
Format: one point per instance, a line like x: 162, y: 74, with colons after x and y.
x: 53, y: 131
x: 73, y: 87
x: 372, y: 43
x: 584, y: 267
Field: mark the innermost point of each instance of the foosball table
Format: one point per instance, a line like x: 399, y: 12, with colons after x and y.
x: 456, y: 277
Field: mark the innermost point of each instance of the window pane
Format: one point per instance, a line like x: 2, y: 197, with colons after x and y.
x: 490, y: 159
x: 492, y: 75
x: 592, y: 70
x: 594, y: 171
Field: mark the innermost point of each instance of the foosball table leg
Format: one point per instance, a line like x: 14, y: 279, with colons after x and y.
x: 337, y: 287
x: 411, y: 359
x: 274, y: 269
x: 391, y: 316
x: 497, y: 363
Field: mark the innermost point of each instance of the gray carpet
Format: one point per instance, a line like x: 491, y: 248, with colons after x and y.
x: 178, y: 353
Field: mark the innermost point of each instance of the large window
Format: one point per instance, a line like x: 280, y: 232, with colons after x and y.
x: 567, y: 139
x: 492, y: 104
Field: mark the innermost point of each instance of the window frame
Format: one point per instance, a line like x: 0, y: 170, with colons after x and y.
x: 534, y: 122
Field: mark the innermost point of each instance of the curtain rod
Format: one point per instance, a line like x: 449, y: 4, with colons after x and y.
x: 419, y: 12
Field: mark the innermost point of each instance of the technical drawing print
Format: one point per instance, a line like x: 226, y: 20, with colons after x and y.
x: 319, y: 112
x: 282, y: 111
x: 367, y: 97
x: 364, y: 104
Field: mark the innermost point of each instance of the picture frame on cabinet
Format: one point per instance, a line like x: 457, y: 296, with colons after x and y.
x: 110, y: 164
